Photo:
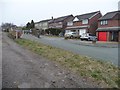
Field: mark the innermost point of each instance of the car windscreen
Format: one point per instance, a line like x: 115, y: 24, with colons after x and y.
x: 91, y: 35
x: 73, y: 33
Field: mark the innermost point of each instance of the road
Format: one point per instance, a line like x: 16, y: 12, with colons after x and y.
x: 101, y: 53
x: 25, y: 69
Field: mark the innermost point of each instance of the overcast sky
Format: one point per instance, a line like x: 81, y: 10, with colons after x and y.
x: 20, y: 12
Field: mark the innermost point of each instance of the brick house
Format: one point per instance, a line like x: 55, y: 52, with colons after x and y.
x: 109, y: 27
x: 60, y: 22
x: 42, y: 25
x: 85, y: 23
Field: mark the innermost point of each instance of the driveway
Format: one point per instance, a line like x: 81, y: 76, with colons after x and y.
x: 25, y: 69
x: 101, y: 53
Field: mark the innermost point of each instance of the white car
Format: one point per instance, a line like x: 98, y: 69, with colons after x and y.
x: 88, y: 37
x: 71, y: 35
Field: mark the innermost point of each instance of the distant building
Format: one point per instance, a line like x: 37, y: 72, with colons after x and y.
x: 42, y: 25
x: 60, y: 22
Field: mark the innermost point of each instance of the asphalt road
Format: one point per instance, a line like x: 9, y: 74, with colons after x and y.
x: 101, y: 53
x: 22, y: 68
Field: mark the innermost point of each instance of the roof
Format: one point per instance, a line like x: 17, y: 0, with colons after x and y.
x: 43, y: 21
x: 109, y: 29
x: 60, y: 19
x: 110, y: 15
x: 86, y: 16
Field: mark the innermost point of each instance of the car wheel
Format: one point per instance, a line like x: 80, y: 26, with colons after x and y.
x: 81, y: 39
x: 71, y: 36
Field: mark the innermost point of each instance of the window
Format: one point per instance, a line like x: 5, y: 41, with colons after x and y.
x: 69, y: 23
x: 60, y: 22
x: 85, y: 21
x: 105, y: 22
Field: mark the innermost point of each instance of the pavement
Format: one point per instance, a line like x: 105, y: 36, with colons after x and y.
x: 24, y: 69
x: 97, y: 44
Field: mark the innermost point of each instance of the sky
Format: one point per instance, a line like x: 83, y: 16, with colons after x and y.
x: 19, y: 12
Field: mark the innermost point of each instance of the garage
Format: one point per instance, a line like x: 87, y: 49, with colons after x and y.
x: 102, y: 36
x: 82, y: 31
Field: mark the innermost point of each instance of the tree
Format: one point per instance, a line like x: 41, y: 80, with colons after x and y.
x: 32, y: 24
x: 28, y: 25
x: 7, y: 26
x: 53, y: 31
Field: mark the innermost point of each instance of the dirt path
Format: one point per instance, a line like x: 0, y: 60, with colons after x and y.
x: 24, y: 69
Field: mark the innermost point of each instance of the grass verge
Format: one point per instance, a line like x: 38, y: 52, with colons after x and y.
x: 85, y: 66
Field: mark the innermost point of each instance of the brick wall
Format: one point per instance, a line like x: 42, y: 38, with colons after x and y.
x: 111, y: 23
x: 93, y: 22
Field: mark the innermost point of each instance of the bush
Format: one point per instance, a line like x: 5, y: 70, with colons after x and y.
x: 53, y: 31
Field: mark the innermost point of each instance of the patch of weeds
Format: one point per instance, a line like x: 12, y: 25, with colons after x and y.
x: 117, y: 81
x: 83, y: 65
x: 97, y: 75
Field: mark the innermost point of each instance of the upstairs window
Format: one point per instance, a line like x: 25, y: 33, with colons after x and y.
x: 85, y: 21
x: 104, y: 22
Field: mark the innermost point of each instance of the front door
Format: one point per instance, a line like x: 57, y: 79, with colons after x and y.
x: 114, y: 36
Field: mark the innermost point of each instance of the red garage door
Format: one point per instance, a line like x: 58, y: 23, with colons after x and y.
x: 102, y: 36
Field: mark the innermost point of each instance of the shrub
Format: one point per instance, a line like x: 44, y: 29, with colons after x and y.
x: 53, y: 31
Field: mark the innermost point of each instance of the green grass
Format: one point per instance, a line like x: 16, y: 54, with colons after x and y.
x: 84, y: 66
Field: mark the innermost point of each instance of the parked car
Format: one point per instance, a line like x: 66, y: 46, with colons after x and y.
x: 71, y: 35
x: 88, y: 37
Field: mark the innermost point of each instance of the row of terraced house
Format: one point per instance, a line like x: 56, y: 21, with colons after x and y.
x: 106, y: 27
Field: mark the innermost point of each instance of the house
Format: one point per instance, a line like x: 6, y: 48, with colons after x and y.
x: 42, y: 25
x: 85, y: 23
x: 109, y: 27
x: 60, y: 22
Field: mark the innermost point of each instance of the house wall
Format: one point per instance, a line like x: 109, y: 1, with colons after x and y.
x: 58, y: 25
x: 44, y: 25
x: 79, y: 23
x: 66, y: 21
x: 118, y: 22
x: 37, y: 26
x: 51, y: 25
x: 41, y: 25
x: 93, y: 22
x: 111, y: 23
x: 61, y: 24
x: 119, y: 37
